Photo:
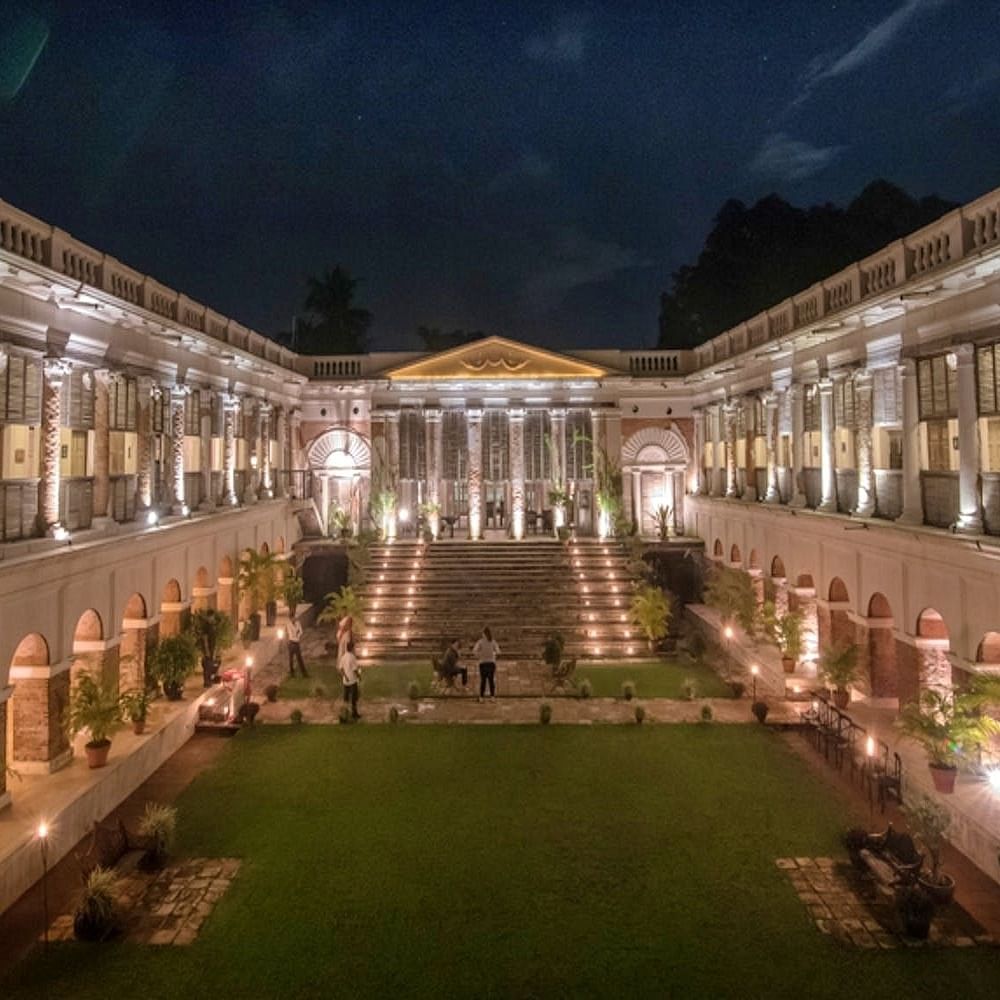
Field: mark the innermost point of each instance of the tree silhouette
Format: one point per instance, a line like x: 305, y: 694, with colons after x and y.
x: 334, y: 325
x: 755, y: 257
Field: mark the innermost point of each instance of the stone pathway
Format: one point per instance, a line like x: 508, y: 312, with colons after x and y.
x: 165, y: 907
x: 847, y: 905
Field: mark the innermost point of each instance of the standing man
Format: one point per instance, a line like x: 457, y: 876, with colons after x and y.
x: 350, y: 673
x: 295, y: 648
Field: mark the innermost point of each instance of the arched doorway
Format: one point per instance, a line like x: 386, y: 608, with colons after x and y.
x: 93, y: 654
x: 340, y: 460
x: 138, y: 635
x: 172, y: 609
x: 932, y: 645
x: 835, y: 628
x: 880, y: 645
x: 36, y: 741
x: 654, y: 464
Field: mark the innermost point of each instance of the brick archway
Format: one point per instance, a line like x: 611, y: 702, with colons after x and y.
x: 880, y: 646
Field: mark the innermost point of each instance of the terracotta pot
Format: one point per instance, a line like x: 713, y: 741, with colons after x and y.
x: 943, y: 778
x: 138, y: 726
x: 788, y: 662
x: 841, y: 697
x: 942, y: 891
x: 97, y: 753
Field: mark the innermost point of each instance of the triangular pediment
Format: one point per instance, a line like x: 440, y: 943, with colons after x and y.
x: 496, y: 359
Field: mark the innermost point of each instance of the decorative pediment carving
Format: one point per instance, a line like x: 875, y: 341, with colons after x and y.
x: 496, y: 358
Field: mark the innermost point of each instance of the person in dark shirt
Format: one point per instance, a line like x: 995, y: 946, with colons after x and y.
x: 450, y: 667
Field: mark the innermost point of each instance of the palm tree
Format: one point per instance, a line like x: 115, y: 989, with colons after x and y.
x: 335, y: 325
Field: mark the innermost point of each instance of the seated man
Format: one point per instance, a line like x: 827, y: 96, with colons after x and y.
x: 450, y: 667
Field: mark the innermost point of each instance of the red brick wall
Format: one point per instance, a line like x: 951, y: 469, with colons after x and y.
x: 39, y: 707
x: 909, y: 663
x: 882, y: 662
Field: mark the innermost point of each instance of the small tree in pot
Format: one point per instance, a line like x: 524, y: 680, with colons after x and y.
x: 949, y: 727
x: 789, y: 639
x: 292, y: 590
x: 96, y: 708
x: 135, y: 705
x: 172, y: 662
x: 213, y: 632
x: 929, y: 823
x: 838, y: 666
x: 650, y: 610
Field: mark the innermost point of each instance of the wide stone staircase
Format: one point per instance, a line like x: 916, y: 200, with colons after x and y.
x: 416, y: 596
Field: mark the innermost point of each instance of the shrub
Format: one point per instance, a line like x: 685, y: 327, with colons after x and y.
x: 158, y: 824
x: 393, y: 715
x: 344, y: 716
x: 271, y: 692
x: 760, y: 709
x: 171, y: 662
x: 319, y: 691
x: 95, y: 918
x: 96, y: 708
x: 640, y: 714
x: 545, y: 713
x: 628, y: 690
x: 586, y: 689
x: 706, y: 713
x: 689, y: 689
x: 413, y: 691
x: 295, y: 717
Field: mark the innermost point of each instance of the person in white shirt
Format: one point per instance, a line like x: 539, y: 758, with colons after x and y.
x: 294, y: 635
x: 350, y: 673
x: 486, y: 652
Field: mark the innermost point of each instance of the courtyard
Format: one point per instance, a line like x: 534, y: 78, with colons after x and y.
x: 509, y: 861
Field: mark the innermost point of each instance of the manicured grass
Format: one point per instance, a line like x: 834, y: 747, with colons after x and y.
x: 654, y: 679
x: 503, y: 861
x: 383, y: 680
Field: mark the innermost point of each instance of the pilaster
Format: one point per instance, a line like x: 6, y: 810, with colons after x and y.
x: 863, y: 388
x: 515, y: 419
x: 102, y: 450
x: 827, y: 451
x: 970, y: 517
x: 773, y: 494
x: 40, y: 744
x: 474, y: 434
x: 54, y: 371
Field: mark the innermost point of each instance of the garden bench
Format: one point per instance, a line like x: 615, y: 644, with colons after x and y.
x: 562, y: 675
x: 110, y: 846
x: 892, y: 858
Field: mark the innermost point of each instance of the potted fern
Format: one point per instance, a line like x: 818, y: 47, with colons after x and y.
x: 135, y: 705
x: 650, y: 611
x: 929, y: 823
x: 838, y: 666
x: 96, y: 708
x: 171, y: 663
x: 213, y: 632
x: 340, y: 604
x: 788, y: 636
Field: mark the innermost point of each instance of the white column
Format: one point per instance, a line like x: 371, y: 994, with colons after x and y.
x: 145, y: 392
x: 913, y: 501
x: 229, y: 406
x: 205, y: 397
x: 716, y: 416
x: 798, y: 403
x: 970, y: 518
x: 773, y: 494
x: 324, y: 492
x: 281, y: 438
x: 827, y: 453
x: 294, y: 448
x: 637, y: 498
x: 863, y: 388
x: 178, y: 395
x: 54, y: 371
x: 558, y: 474
x: 515, y: 424
x: 729, y: 413
x: 750, y: 447
x: 698, y: 484
x: 433, y: 436
x: 392, y: 457
x: 253, y: 459
x: 102, y: 479
x: 474, y: 438
x: 266, y: 479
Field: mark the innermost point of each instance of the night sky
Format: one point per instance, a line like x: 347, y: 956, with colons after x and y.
x: 529, y: 170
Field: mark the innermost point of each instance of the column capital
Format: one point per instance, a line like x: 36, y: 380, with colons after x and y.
x: 230, y: 401
x: 769, y: 397
x: 907, y: 367
x: 473, y: 415
x: 433, y: 415
x: 56, y: 369
x: 104, y: 376
x: 825, y: 385
x: 391, y: 415
x: 863, y: 376
x: 265, y: 408
x: 516, y: 413
x: 965, y: 354
x: 557, y: 412
x: 179, y: 391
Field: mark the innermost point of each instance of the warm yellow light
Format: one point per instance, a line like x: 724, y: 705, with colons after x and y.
x: 870, y: 746
x: 728, y: 631
x: 281, y: 634
x: 755, y: 670
x: 43, y: 830
x: 248, y: 662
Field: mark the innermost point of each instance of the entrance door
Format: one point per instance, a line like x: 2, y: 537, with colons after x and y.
x: 496, y: 504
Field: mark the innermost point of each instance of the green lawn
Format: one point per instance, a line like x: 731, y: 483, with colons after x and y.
x: 385, y: 680
x: 654, y: 679
x: 508, y: 862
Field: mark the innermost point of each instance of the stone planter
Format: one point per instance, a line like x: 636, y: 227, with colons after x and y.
x: 841, y: 697
x: 788, y: 663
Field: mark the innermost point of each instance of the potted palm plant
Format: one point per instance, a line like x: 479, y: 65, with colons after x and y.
x: 663, y: 519
x: 292, y: 590
x: 135, y: 705
x: 929, y: 823
x: 949, y: 727
x: 788, y: 635
x: 171, y: 663
x: 213, y: 633
x: 256, y: 580
x: 96, y: 708
x: 650, y: 611
x: 838, y: 666
x: 340, y: 604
